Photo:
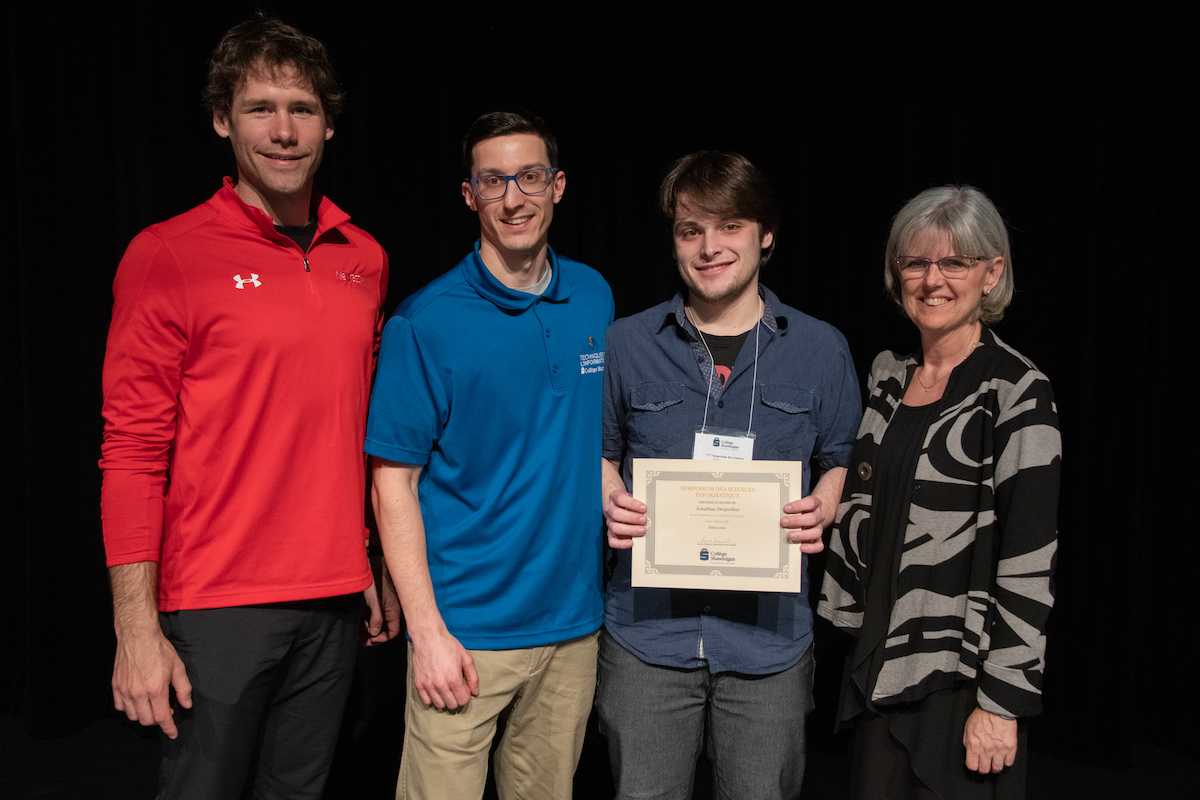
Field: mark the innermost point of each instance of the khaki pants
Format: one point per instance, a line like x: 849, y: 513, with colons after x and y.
x: 548, y: 694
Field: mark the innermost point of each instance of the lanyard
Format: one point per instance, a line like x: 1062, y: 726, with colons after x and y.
x: 713, y: 365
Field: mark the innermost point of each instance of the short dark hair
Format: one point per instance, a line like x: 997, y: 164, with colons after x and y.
x: 507, y: 123
x: 721, y: 183
x: 264, y: 44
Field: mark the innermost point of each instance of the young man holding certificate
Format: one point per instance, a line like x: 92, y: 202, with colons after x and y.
x: 722, y: 368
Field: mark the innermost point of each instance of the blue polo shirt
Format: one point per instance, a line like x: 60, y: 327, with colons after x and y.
x: 497, y: 394
x: 807, y: 407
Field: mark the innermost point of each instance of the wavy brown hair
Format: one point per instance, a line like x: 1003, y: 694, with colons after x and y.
x: 264, y: 45
x: 724, y: 184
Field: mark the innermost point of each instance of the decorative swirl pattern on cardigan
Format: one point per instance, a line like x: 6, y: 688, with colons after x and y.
x: 975, y: 584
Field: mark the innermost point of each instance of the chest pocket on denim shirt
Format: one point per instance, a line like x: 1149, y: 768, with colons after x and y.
x: 656, y: 414
x: 787, y: 421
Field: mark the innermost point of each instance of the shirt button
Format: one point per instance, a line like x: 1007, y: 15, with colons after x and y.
x: 547, y: 333
x: 555, y: 370
x: 864, y: 471
x: 707, y: 609
x: 720, y: 404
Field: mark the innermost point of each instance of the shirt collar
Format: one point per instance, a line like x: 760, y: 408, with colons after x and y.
x: 772, y: 320
x: 484, y: 282
x: 329, y: 216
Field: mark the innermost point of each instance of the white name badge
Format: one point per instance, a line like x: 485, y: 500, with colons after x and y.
x: 719, y: 445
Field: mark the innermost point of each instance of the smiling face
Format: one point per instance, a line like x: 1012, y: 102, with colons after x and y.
x: 278, y: 132
x: 514, y: 228
x: 718, y: 257
x: 940, y: 305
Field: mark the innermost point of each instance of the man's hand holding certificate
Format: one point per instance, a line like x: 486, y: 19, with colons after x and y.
x: 716, y: 524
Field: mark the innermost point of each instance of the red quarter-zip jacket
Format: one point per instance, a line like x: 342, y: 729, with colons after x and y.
x: 236, y: 383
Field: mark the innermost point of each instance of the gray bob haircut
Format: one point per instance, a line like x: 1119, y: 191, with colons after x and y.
x: 975, y: 228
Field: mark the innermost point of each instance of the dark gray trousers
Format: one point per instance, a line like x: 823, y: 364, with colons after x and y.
x: 269, y: 684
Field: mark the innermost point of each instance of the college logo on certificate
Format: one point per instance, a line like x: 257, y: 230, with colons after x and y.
x: 715, y: 524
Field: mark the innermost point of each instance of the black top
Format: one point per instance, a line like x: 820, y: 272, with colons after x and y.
x: 895, y: 461
x: 724, y: 350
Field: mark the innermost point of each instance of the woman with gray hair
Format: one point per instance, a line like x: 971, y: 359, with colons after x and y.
x: 942, y: 552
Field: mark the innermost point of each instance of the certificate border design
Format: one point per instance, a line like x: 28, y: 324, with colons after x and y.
x: 650, y: 566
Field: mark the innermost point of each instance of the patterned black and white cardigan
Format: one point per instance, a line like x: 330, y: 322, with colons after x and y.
x: 975, y: 583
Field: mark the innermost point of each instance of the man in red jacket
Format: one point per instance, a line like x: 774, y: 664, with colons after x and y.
x: 236, y: 382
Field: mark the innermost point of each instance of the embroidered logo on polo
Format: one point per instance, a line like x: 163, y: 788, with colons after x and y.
x: 252, y: 280
x: 349, y: 277
x: 591, y: 362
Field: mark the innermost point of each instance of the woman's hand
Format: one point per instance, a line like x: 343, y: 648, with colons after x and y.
x: 991, y: 742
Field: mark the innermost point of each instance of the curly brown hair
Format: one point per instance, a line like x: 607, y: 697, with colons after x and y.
x: 265, y: 45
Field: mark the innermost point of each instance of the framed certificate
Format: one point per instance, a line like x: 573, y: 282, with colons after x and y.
x: 715, y: 524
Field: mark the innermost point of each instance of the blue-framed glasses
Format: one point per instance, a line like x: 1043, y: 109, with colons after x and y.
x: 529, y: 181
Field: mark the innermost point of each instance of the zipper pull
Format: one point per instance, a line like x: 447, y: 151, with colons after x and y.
x: 305, y: 263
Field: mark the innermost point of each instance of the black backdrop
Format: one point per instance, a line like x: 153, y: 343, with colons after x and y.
x: 1081, y: 124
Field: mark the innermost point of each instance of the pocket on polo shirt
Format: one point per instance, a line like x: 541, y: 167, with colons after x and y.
x: 786, y: 421
x: 657, y: 415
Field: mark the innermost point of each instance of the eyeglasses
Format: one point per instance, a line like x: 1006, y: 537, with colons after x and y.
x: 529, y: 181
x: 950, y: 266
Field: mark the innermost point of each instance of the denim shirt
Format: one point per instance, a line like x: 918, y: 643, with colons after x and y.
x: 807, y: 407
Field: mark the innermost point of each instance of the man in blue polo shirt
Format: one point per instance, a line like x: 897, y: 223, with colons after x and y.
x: 725, y: 354
x: 485, y: 430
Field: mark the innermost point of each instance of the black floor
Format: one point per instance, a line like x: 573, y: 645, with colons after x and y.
x: 109, y: 760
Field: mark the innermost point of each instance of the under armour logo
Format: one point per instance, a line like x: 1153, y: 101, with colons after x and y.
x: 253, y: 279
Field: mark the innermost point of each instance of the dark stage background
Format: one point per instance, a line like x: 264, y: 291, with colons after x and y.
x: 1081, y: 124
